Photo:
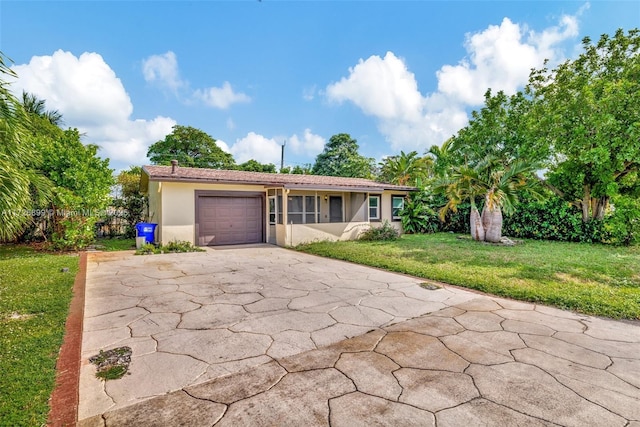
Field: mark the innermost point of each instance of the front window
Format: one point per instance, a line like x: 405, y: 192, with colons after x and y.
x: 294, y: 210
x: 272, y: 210
x: 397, y: 203
x: 303, y: 209
x: 374, y: 207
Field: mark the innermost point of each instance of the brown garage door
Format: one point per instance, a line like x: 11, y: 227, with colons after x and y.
x: 229, y: 220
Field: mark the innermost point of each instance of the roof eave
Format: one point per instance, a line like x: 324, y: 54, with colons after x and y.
x: 360, y: 188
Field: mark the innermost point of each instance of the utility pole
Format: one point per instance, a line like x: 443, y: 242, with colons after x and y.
x: 282, y: 156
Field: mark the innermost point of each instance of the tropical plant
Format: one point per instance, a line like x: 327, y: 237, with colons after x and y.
x: 442, y: 158
x: 498, y: 185
x: 417, y: 214
x: 460, y: 185
x: 21, y: 184
x: 405, y: 168
x: 33, y: 105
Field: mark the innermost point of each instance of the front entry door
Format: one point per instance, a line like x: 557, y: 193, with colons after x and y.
x: 335, y: 209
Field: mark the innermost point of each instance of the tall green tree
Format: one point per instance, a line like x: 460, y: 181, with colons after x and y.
x: 340, y: 157
x: 82, y: 183
x: 405, y: 168
x: 588, y: 111
x: 255, y: 166
x: 499, y: 130
x: 21, y: 184
x: 192, y: 148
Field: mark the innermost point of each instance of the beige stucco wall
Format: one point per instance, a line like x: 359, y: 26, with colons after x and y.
x: 179, y: 207
x: 385, y: 203
x: 295, y: 234
x: 155, y: 207
x: 172, y: 206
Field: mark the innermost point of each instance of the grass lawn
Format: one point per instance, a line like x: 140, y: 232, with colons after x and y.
x: 592, y: 279
x: 34, y: 302
x: 115, y: 244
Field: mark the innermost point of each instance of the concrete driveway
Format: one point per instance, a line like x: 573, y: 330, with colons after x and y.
x: 267, y: 336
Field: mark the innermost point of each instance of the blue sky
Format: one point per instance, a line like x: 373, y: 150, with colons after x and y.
x: 253, y: 74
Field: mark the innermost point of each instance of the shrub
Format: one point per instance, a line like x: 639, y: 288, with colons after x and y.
x: 622, y: 226
x: 418, y: 215
x: 551, y: 219
x: 384, y: 232
x: 73, y: 233
x: 170, y: 248
x: 177, y: 247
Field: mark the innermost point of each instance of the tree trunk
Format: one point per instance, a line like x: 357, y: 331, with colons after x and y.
x: 592, y: 207
x: 492, y: 223
x: 475, y: 223
x: 586, y: 202
x: 601, y: 207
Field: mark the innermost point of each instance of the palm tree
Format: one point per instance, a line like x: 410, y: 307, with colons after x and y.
x: 405, y: 169
x: 501, y: 190
x: 33, y: 105
x: 19, y: 181
x: 462, y: 184
x: 498, y: 184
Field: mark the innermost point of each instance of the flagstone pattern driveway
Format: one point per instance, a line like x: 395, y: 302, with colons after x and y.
x: 268, y: 336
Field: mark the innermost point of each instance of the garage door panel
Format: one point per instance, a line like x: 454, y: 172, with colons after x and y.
x: 230, y: 220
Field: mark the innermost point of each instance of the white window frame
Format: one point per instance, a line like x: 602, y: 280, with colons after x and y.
x: 377, y: 197
x: 272, y: 199
x: 393, y: 198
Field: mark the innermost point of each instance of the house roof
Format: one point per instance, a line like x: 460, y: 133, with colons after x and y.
x: 217, y: 176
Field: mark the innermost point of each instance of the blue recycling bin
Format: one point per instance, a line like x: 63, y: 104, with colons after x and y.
x: 146, y: 230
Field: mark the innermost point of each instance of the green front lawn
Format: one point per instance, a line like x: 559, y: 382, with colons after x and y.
x: 34, y: 301
x: 592, y: 279
x: 115, y: 244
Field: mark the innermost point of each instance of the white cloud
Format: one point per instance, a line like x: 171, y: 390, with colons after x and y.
x: 269, y: 150
x: 91, y: 98
x: 220, y: 97
x: 257, y: 147
x: 309, y: 144
x: 163, y: 70
x: 223, y: 145
x: 386, y: 89
x: 231, y: 125
x: 381, y: 87
x: 500, y: 58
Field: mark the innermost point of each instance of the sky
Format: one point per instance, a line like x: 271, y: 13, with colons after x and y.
x: 255, y: 75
